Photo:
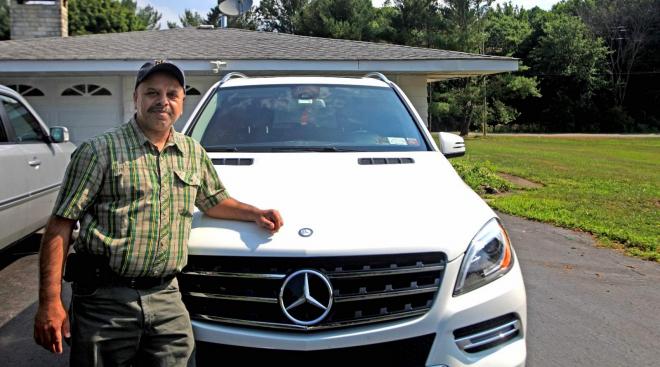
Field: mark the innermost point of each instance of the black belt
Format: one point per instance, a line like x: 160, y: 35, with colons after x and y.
x: 140, y: 282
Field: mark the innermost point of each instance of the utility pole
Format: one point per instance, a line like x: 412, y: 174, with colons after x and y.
x: 485, y: 105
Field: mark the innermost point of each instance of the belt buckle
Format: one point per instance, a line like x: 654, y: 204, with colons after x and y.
x: 132, y: 283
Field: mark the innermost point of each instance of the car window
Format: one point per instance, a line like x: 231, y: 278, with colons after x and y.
x: 25, y: 125
x: 306, y: 116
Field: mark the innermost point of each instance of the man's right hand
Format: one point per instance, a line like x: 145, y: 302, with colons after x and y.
x: 51, y: 320
x: 50, y: 324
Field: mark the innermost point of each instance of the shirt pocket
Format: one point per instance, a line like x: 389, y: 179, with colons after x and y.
x: 131, y: 182
x: 185, y: 188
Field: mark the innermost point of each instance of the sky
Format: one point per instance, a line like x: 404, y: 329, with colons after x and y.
x: 170, y: 9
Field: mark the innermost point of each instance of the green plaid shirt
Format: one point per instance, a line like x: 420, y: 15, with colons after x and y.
x: 134, y: 204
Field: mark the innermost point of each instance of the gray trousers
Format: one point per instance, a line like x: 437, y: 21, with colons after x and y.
x: 121, y: 326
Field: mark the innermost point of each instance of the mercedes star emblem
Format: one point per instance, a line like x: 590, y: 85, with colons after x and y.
x: 305, y: 232
x: 306, y: 297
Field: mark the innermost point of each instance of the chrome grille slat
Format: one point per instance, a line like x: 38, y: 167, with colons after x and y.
x: 492, y: 335
x: 234, y: 275
x: 365, y: 289
x: 375, y: 295
x: 232, y: 297
x: 272, y: 325
x: 372, y: 273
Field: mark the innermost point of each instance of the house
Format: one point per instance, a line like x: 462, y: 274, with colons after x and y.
x: 86, y: 83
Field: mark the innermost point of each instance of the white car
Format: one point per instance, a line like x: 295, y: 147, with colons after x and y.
x: 33, y: 160
x: 386, y: 258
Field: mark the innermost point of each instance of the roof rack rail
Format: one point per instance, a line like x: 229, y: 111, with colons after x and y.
x: 232, y: 75
x: 377, y: 75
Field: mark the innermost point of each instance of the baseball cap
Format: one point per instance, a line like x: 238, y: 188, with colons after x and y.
x: 161, y: 65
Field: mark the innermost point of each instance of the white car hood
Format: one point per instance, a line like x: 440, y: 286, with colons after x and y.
x: 352, y: 209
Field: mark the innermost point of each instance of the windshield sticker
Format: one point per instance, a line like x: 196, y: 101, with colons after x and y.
x: 381, y: 140
x: 412, y: 141
x: 397, y: 141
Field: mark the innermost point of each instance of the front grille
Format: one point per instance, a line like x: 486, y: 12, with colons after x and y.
x: 366, y: 289
x: 411, y: 352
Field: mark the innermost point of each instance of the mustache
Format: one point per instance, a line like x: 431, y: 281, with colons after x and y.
x: 159, y: 108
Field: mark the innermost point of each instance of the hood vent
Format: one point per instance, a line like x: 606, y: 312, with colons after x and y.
x: 232, y: 161
x: 370, y: 161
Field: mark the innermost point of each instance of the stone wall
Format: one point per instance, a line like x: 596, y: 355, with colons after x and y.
x: 38, y: 20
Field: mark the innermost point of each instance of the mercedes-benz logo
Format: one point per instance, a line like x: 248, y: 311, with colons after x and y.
x: 305, y: 232
x: 306, y: 297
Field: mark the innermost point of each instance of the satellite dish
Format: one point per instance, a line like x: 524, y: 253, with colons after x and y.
x: 235, y: 7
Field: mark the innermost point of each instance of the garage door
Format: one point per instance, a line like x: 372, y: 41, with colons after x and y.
x: 193, y: 96
x: 86, y: 106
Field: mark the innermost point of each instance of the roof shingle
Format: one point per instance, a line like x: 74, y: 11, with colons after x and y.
x: 219, y: 43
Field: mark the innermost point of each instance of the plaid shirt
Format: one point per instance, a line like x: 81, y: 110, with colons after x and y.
x: 134, y: 204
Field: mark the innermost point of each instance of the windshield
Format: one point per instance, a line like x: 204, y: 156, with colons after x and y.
x: 306, y: 117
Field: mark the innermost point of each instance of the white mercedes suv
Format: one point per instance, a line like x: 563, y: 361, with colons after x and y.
x: 386, y: 257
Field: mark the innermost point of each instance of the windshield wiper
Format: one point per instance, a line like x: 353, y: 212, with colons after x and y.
x: 312, y: 149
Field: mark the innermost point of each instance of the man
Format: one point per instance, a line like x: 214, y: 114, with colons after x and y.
x: 132, y: 189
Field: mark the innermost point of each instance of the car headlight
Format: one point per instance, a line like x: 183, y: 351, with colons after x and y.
x: 488, y: 257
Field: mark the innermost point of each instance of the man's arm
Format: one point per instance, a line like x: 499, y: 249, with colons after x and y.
x: 230, y: 208
x: 51, y: 320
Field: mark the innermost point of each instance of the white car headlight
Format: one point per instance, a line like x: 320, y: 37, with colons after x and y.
x: 488, y: 257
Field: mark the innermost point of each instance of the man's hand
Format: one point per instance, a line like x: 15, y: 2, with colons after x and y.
x: 231, y: 208
x: 270, y: 219
x: 51, y: 321
x: 50, y: 324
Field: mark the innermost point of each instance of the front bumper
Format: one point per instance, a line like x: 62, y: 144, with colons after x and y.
x: 501, y: 297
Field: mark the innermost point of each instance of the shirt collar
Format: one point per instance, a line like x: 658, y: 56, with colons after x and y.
x: 139, y: 139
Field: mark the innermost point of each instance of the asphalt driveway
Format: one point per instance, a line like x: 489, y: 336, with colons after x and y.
x: 587, y: 306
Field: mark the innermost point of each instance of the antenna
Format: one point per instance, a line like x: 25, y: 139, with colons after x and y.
x: 235, y: 7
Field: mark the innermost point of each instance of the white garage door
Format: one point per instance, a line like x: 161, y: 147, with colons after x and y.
x: 193, y: 96
x: 86, y: 106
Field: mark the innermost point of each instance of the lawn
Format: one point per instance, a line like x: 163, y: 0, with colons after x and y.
x: 607, y: 187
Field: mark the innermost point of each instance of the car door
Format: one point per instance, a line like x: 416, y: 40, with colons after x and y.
x: 14, y: 195
x: 40, y: 158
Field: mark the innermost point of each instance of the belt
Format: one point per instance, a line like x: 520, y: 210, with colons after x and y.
x: 140, y: 282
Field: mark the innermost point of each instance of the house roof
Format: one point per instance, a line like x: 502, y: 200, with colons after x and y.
x: 251, y: 52
x: 219, y: 43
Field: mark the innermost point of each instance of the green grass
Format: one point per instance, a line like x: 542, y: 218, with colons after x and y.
x: 607, y: 187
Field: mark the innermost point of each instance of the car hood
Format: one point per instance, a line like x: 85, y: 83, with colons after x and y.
x: 352, y: 209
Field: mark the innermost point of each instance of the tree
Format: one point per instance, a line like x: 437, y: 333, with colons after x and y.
x: 214, y: 16
x: 465, y: 31
x: 149, y: 17
x: 4, y: 20
x: 625, y: 26
x: 102, y: 16
x: 417, y: 22
x: 507, y: 29
x: 574, y: 64
x: 248, y: 20
x: 280, y: 15
x: 190, y: 19
x: 345, y: 19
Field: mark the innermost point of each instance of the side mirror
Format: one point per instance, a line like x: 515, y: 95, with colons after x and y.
x: 59, y: 134
x: 451, y: 145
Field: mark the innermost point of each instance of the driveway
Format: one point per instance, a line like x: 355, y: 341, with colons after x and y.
x: 587, y: 306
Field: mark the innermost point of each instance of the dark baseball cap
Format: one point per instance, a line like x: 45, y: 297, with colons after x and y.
x: 161, y: 65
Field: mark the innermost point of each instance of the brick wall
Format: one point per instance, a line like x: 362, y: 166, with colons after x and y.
x: 38, y: 20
